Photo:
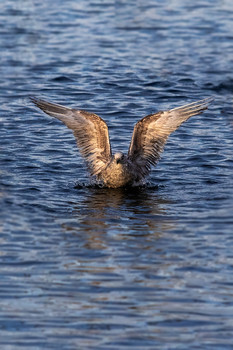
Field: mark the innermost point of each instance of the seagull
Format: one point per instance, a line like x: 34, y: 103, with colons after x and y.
x: 147, y: 143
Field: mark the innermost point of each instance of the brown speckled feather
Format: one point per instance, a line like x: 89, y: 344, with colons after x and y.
x: 90, y: 131
x: 151, y: 133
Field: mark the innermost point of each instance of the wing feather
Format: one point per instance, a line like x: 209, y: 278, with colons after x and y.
x: 90, y: 131
x: 151, y: 133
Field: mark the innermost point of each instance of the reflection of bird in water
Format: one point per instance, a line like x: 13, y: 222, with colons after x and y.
x: 119, y: 212
x: 149, y: 137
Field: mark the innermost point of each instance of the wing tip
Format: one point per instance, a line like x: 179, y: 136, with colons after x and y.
x: 37, y: 101
x: 33, y: 99
x: 207, y: 100
x: 199, y: 104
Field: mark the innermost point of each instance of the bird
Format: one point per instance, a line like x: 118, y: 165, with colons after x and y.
x: 147, y: 143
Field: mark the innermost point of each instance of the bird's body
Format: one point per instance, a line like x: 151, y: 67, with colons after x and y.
x: 149, y: 137
x: 117, y: 174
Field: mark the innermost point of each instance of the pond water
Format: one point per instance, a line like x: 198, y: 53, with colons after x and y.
x: 94, y: 268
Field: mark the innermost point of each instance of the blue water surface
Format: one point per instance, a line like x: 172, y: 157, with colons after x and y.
x: 94, y: 268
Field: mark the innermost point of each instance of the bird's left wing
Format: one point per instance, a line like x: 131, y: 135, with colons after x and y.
x: 150, y: 133
x: 90, y: 131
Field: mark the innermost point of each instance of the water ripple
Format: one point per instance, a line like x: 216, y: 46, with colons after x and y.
x: 93, y: 268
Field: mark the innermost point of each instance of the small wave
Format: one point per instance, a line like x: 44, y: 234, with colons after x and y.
x: 96, y: 185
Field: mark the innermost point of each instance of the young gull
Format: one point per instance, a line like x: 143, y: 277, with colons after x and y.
x: 149, y: 137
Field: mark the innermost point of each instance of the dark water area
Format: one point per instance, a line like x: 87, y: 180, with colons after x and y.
x: 92, y: 268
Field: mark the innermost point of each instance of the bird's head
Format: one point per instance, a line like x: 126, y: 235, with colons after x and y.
x: 119, y: 157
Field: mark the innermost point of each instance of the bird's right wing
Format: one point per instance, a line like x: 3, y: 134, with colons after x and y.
x: 150, y: 133
x: 90, y: 131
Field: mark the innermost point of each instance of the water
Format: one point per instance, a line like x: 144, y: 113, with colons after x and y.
x: 90, y: 268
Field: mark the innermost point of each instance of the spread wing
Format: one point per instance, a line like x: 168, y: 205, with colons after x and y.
x: 90, y: 131
x: 151, y: 133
